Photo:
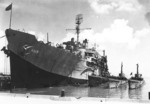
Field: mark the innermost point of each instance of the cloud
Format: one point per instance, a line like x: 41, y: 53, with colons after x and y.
x: 142, y: 33
x: 2, y: 40
x: 40, y: 36
x: 147, y: 16
x: 130, y: 6
x: 145, y: 3
x: 104, y: 7
x: 101, y: 8
x: 3, y: 59
x: 119, y: 32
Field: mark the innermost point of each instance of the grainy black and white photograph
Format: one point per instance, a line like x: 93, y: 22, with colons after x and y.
x: 74, y: 51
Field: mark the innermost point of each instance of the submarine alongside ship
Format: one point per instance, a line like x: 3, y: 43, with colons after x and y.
x: 34, y: 64
x: 111, y: 81
x: 136, y: 81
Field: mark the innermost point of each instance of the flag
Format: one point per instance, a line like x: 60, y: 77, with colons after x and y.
x: 9, y: 7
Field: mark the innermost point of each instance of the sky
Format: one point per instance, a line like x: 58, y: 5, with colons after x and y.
x: 120, y: 27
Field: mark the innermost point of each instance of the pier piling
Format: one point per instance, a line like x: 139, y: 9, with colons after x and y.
x: 149, y: 95
x: 62, y: 93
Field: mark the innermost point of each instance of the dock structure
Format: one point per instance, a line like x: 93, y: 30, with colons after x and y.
x: 7, y: 98
x: 5, y: 81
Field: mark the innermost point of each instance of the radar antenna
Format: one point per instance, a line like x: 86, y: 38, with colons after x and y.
x: 79, y: 20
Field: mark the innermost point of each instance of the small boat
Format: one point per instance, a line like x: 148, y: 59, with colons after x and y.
x: 109, y: 80
x: 95, y: 80
x: 117, y: 81
x: 113, y: 83
x: 136, y: 81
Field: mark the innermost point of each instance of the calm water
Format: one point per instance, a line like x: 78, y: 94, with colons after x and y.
x: 121, y: 92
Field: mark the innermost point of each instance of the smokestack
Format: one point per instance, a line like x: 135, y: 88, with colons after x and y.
x: 121, y: 68
x: 47, y: 38
x: 103, y: 52
x: 137, y: 69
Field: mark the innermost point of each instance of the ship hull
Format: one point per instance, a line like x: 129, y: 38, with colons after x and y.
x: 134, y: 84
x: 96, y: 80
x: 26, y: 75
x: 109, y: 82
x: 115, y: 83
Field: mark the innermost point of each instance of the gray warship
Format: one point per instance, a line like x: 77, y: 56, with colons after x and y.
x: 35, y: 64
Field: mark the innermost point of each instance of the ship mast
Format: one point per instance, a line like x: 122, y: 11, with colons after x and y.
x: 103, y: 52
x: 47, y: 38
x: 79, y: 20
x: 137, y: 69
x: 121, y: 68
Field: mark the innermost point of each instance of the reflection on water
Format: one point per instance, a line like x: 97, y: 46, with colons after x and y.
x: 135, y: 94
x: 122, y: 92
x: 108, y: 93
